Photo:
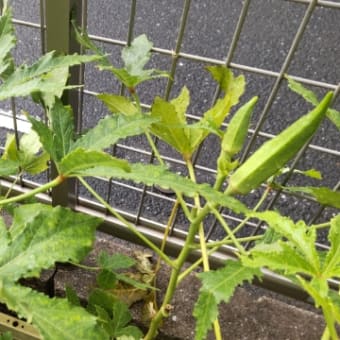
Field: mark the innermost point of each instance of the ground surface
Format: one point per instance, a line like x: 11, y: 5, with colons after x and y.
x: 252, y: 314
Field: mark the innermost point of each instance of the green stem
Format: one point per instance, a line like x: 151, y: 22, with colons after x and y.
x: 179, y: 262
x: 203, y: 244
x: 84, y: 266
x: 330, y: 331
x: 154, y: 148
x: 322, y: 225
x: 33, y: 192
x: 227, y: 240
x: 129, y: 225
x: 228, y: 231
x: 215, y: 246
x: 257, y: 206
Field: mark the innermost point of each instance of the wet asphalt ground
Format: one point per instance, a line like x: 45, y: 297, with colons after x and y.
x: 268, y: 32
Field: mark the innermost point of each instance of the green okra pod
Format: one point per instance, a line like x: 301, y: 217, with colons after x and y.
x: 236, y: 132
x: 274, y: 154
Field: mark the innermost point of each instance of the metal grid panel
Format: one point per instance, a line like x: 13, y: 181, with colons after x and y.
x: 175, y: 51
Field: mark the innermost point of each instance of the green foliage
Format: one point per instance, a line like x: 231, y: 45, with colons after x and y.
x: 295, y: 254
x: 26, y: 157
x: 323, y: 195
x: 310, y: 96
x: 6, y: 336
x: 35, y: 241
x: 159, y: 175
x: 275, y: 153
x: 41, y: 235
x: 218, y: 286
x: 55, y: 318
x: 171, y: 125
x: 37, y: 238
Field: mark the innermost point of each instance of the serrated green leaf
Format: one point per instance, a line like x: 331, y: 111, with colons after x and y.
x: 71, y: 296
x: 115, y: 261
x: 323, y: 195
x: 223, y: 282
x: 301, y: 236
x: 228, y: 83
x: 118, y: 104
x: 37, y: 78
x: 278, y: 256
x: 79, y: 161
x: 137, y: 55
x: 171, y: 122
x: 159, y: 175
x: 62, y: 126
x: 121, y: 316
x: 102, y: 298
x: 329, y: 305
x: 111, y: 129
x: 331, y: 266
x: 172, y: 126
x: 135, y: 58
x: 57, y: 139
x: 205, y: 312
x: 8, y: 167
x: 38, y: 241
x: 106, y: 279
x: 55, y: 318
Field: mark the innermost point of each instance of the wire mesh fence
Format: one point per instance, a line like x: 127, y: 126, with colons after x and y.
x: 264, y: 40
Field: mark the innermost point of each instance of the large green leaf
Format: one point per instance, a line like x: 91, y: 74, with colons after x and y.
x: 56, y: 319
x: 79, y: 162
x: 38, y: 237
x: 111, y: 129
x: 159, y: 175
x: 323, y: 195
x: 218, y: 286
x: 301, y: 236
x: 37, y: 78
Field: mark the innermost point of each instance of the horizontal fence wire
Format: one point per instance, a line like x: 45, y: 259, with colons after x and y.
x: 143, y: 195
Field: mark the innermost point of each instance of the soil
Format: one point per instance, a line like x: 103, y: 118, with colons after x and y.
x: 253, y: 313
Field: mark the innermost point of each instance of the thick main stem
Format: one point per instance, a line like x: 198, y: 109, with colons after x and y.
x: 179, y: 262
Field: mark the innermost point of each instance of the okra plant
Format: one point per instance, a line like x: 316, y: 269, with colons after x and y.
x: 38, y: 234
